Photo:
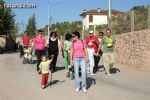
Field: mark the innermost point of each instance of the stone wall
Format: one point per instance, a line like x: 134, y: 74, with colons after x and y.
x: 133, y: 49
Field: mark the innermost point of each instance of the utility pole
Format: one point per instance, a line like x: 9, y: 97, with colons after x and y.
x: 48, y: 19
x: 109, y: 14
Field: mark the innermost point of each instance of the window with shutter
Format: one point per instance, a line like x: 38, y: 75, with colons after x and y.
x: 90, y: 18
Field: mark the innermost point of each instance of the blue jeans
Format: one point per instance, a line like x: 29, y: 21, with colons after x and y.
x: 91, y: 65
x: 80, y: 62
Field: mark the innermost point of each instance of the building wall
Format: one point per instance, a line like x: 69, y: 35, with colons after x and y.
x: 86, y: 21
x: 133, y: 49
x: 97, y: 20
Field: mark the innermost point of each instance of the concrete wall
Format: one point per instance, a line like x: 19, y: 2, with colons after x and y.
x: 133, y: 49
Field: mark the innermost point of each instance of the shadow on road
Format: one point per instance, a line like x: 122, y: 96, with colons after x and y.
x: 59, y: 68
x: 90, y: 81
x: 101, y: 68
x: 34, y: 61
x: 10, y: 52
x: 114, y: 70
x: 54, y: 83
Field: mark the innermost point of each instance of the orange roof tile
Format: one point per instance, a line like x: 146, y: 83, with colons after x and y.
x: 102, y: 12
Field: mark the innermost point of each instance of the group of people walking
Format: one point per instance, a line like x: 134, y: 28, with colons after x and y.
x: 90, y: 51
x: 43, y: 48
x: 77, y: 54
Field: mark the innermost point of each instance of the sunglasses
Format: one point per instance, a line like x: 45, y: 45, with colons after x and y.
x: 40, y: 33
x: 73, y: 36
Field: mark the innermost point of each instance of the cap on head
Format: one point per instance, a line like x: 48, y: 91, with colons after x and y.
x: 91, y: 32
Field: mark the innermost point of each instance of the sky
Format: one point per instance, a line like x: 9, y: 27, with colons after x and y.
x: 65, y: 10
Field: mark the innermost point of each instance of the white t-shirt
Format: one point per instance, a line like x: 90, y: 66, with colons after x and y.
x: 91, y: 53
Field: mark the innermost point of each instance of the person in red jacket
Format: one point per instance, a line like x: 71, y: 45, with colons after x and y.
x: 26, y: 39
x: 95, y: 43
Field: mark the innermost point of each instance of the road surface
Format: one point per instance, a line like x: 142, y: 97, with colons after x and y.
x: 21, y: 82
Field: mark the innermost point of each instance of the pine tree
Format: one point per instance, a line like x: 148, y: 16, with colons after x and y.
x: 1, y: 16
x: 7, y: 21
x: 31, y: 26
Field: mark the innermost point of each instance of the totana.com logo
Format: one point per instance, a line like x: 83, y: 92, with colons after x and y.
x: 20, y: 5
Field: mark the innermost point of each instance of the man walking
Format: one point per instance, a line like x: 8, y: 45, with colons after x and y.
x: 108, y: 42
x: 26, y: 39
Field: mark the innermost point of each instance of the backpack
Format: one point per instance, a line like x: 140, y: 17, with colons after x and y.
x: 109, y: 41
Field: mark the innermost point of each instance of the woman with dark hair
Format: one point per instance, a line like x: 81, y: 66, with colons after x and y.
x: 66, y: 49
x: 39, y: 42
x: 79, y: 55
x: 53, y: 49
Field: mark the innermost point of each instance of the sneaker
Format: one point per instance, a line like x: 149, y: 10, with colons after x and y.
x: 108, y: 74
x: 88, y: 72
x: 84, y: 90
x: 67, y: 74
x: 43, y: 86
x: 69, y: 66
x: 77, y: 89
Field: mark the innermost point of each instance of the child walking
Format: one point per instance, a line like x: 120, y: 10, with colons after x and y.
x: 44, y: 69
x: 91, y: 54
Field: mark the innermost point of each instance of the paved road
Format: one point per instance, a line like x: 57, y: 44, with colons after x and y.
x: 21, y: 82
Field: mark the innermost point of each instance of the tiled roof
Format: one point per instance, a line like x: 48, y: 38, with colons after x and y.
x: 101, y: 12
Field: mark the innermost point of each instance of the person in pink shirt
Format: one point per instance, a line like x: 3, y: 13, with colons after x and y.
x: 39, y: 42
x: 79, y: 55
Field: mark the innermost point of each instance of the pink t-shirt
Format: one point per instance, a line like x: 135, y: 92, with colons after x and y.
x: 39, y: 43
x: 78, y: 49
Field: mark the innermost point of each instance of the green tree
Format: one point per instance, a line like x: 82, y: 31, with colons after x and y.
x: 101, y: 28
x: 141, y: 16
x: 65, y: 27
x: 31, y: 26
x: 69, y: 27
x: 1, y: 16
x: 16, y: 29
x: 7, y: 21
x: 121, y: 23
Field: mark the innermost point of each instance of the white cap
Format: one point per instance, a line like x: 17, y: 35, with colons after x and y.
x: 91, y: 31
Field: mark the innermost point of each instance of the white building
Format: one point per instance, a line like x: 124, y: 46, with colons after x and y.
x: 96, y: 17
